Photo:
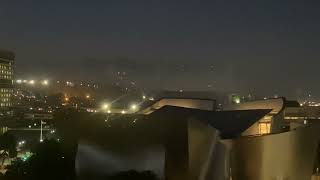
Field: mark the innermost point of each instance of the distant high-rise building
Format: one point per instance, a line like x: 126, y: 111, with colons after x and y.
x: 6, y: 78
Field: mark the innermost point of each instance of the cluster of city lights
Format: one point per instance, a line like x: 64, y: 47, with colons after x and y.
x: 310, y: 103
x: 32, y: 82
x: 133, y: 107
x: 107, y: 108
x: 21, y: 143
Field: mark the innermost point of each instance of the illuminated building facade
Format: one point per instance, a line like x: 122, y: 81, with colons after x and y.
x: 6, y: 78
x: 276, y: 120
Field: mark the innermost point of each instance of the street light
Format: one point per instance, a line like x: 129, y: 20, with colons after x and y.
x: 41, y: 129
x: 105, y: 106
x: 133, y: 106
x: 123, y: 112
x: 31, y: 82
x: 45, y: 82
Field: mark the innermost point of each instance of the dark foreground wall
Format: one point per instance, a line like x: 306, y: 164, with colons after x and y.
x: 198, y: 154
x: 174, y: 147
x: 175, y: 143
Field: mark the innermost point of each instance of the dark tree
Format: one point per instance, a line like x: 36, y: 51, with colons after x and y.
x: 47, y: 162
x: 133, y: 175
x: 7, y: 146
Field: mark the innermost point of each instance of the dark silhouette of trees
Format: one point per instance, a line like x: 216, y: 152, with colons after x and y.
x: 133, y: 175
x: 47, y: 162
x: 7, y: 147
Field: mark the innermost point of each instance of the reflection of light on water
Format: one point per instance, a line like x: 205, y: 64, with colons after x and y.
x: 101, y: 161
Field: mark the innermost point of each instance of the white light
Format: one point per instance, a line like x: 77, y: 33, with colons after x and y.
x: 29, y: 126
x: 133, y: 107
x: 88, y: 96
x: 144, y: 97
x: 41, y: 140
x: 123, y: 112
x: 45, y: 82
x: 19, y: 81
x: 108, y: 111
x: 31, y: 82
x: 105, y: 106
x: 35, y: 124
x: 25, y: 81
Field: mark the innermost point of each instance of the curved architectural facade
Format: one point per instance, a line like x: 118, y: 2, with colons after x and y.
x: 290, y: 155
x: 270, y: 123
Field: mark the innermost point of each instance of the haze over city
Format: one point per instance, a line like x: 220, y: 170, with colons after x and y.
x: 159, y: 90
x: 268, y: 47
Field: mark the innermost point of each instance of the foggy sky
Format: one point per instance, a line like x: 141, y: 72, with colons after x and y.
x: 270, y: 47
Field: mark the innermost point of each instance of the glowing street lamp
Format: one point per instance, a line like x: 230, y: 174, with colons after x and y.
x: 133, y: 106
x: 105, y: 106
x: 45, y: 82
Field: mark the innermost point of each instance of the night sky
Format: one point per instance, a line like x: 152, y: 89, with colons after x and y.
x: 268, y: 47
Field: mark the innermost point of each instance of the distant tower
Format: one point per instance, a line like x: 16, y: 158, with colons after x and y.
x: 6, y: 78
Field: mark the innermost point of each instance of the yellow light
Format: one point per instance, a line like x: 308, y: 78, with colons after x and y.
x: 123, y: 112
x: 87, y: 96
x: 105, y: 106
x: 45, y: 82
x: 108, y: 111
x: 31, y: 82
x: 133, y: 107
x: 66, y: 99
